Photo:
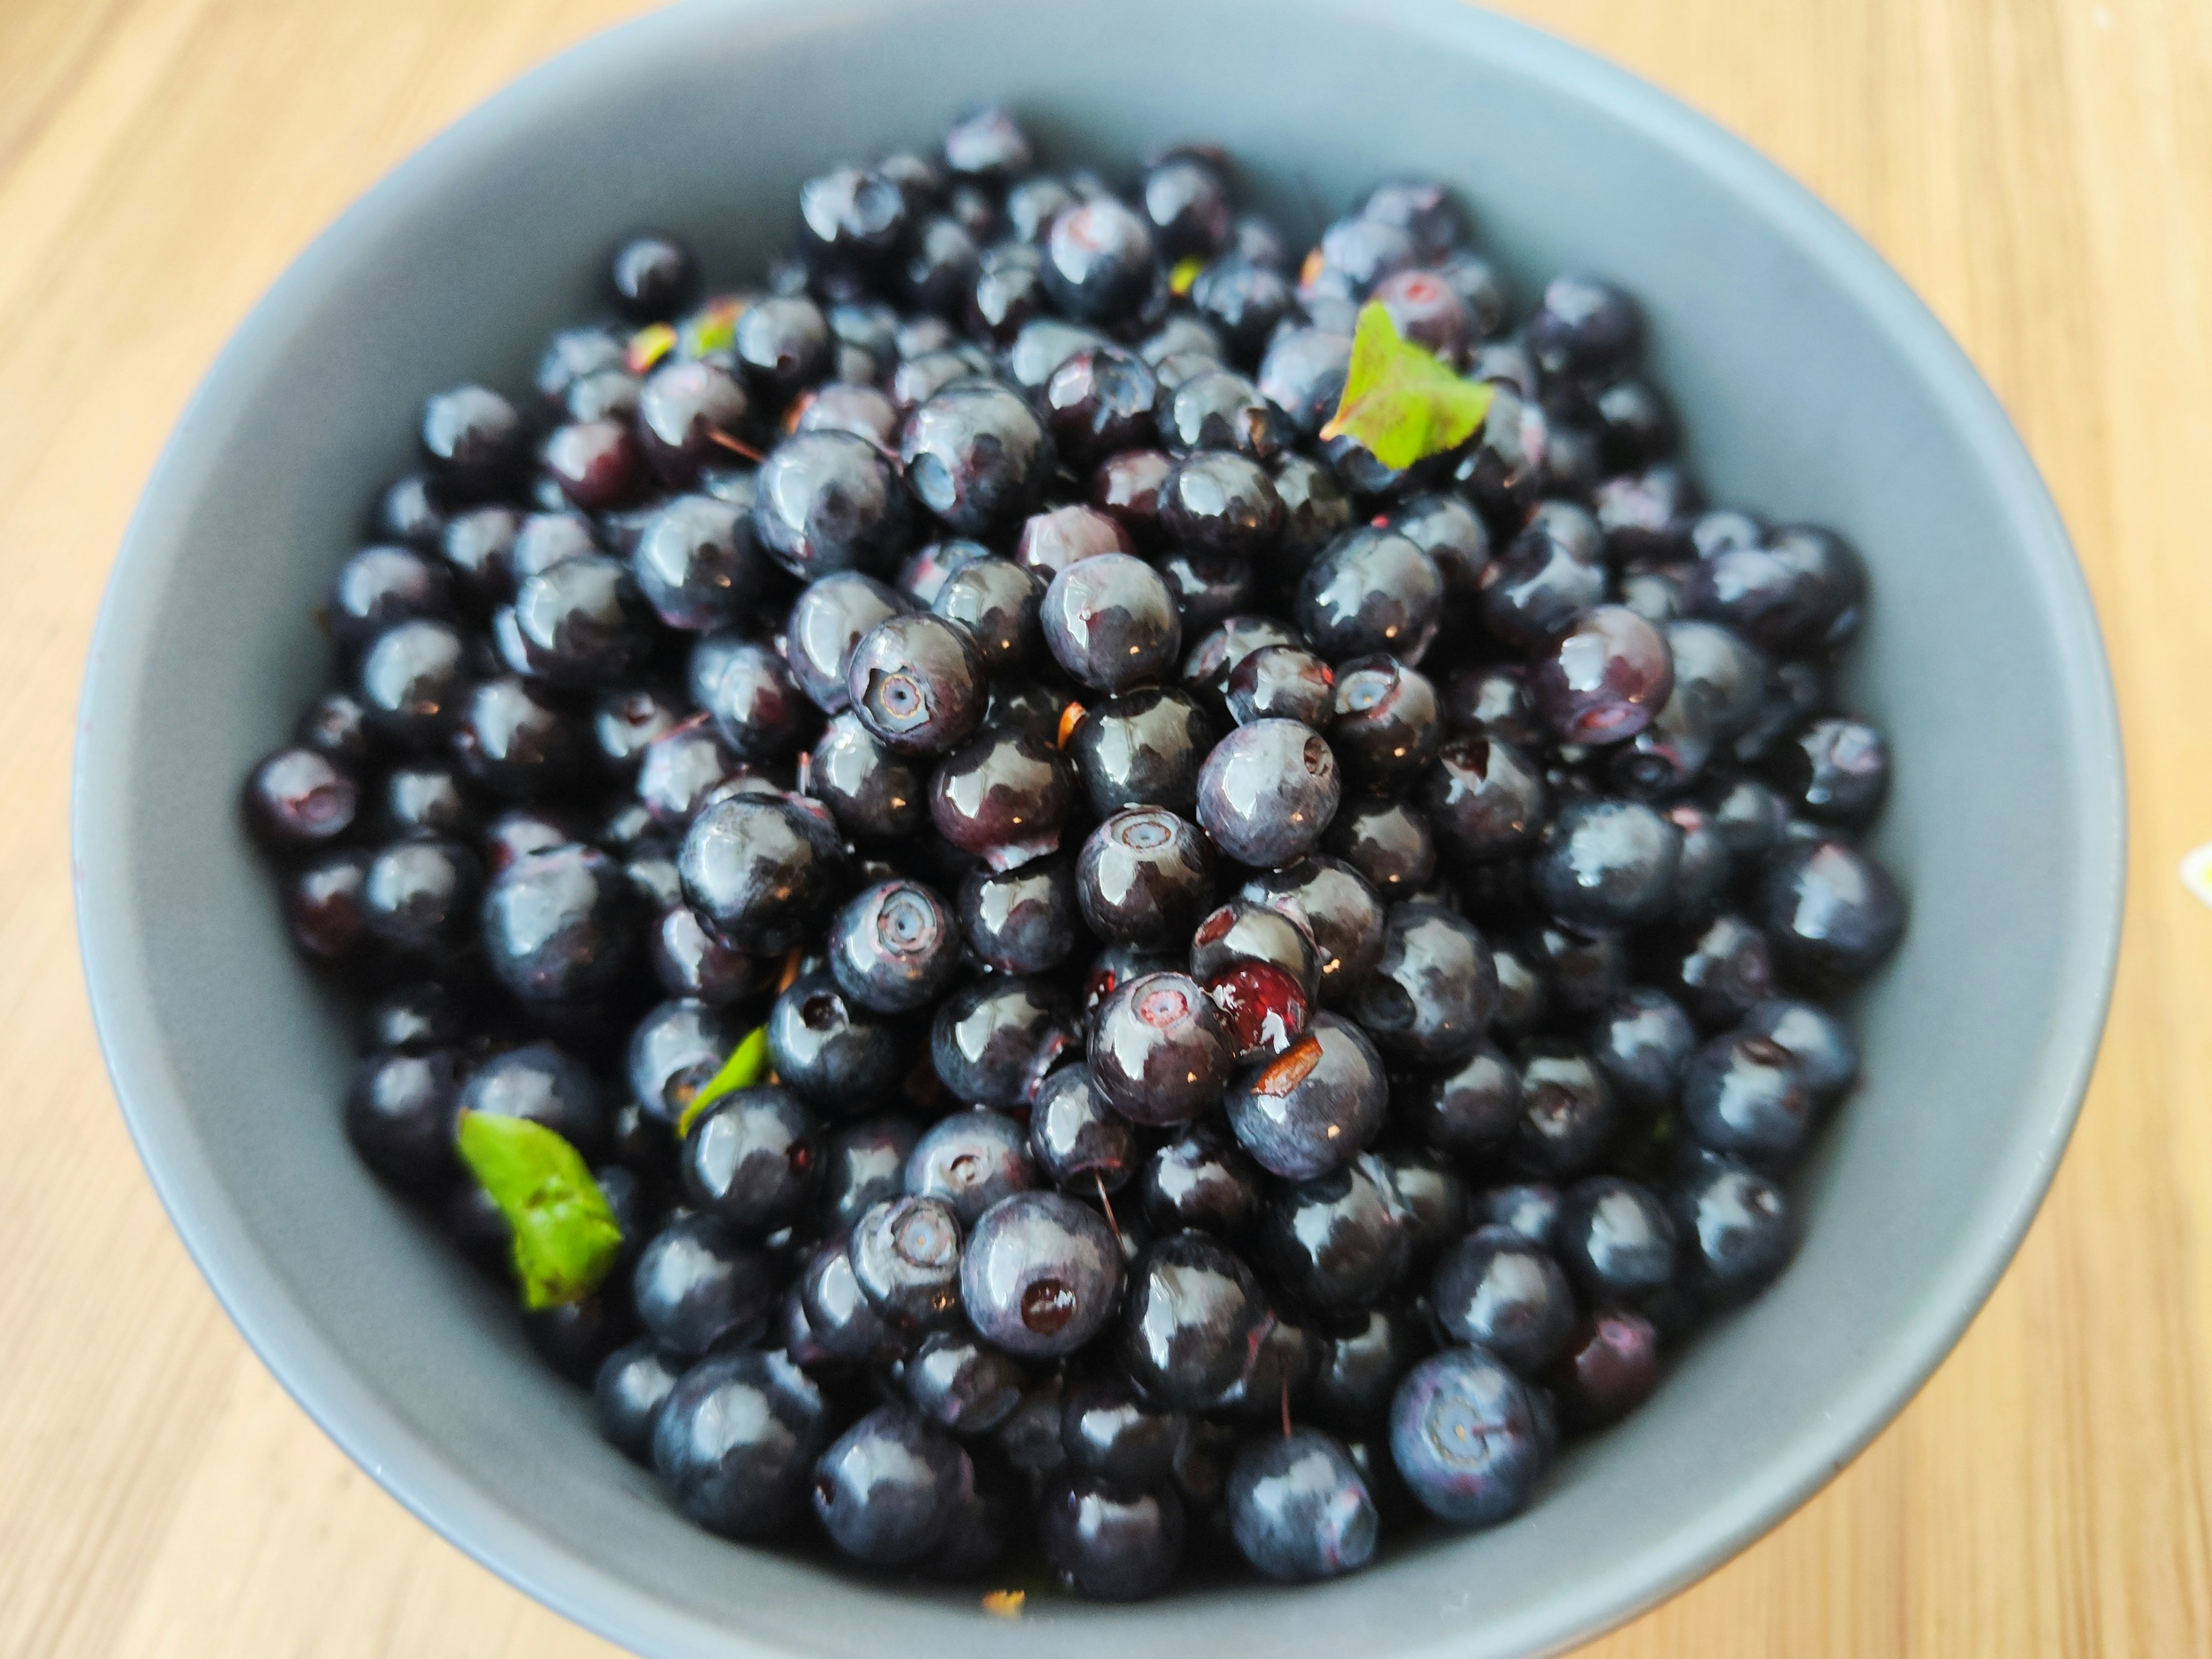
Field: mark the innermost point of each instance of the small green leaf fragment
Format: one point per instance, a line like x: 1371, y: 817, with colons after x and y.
x: 1184, y: 278
x: 649, y: 345
x: 746, y: 1066
x: 1401, y: 402
x: 565, y: 1237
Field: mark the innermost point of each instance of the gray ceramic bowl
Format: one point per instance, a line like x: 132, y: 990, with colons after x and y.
x: 1812, y: 384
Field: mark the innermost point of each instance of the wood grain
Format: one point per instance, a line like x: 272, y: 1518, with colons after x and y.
x: 2041, y: 170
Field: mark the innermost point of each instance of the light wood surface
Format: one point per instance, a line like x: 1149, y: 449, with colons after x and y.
x: 2041, y: 170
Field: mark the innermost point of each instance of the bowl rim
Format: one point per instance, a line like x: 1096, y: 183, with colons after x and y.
x: 410, y: 1468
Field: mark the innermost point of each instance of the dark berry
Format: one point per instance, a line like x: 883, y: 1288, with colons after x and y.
x: 894, y: 947
x: 1744, y: 1096
x: 399, y: 1116
x: 1610, y: 1368
x: 1339, y: 1242
x: 1338, y: 910
x: 1315, y: 1106
x: 695, y: 1286
x: 1464, y: 1438
x: 917, y: 683
x: 1106, y: 1543
x: 300, y: 799
x: 750, y: 1160
x: 997, y: 601
x: 1721, y: 973
x: 833, y: 1053
x: 1021, y: 920
x: 1616, y: 1239
x: 560, y: 926
x: 410, y: 680
x: 1076, y: 1138
x: 1497, y: 1290
x: 1159, y: 1051
x: 1385, y: 726
x: 1568, y: 1112
x: 1053, y: 540
x: 873, y: 794
x: 1142, y: 749
x: 1110, y: 621
x: 1042, y: 1275
x: 1604, y: 679
x: 1433, y: 989
x: 961, y: 1383
x: 1267, y: 792
x: 977, y: 457
x: 993, y: 1042
x: 829, y: 500
x: 1467, y: 1109
x: 1098, y: 260
x: 735, y: 1442
x: 1548, y: 576
x: 1827, y: 1059
x: 1190, y: 1320
x: 1608, y: 865
x: 971, y: 1160
x: 473, y: 439
x: 1370, y: 591
x: 631, y: 1386
x: 1002, y: 798
x: 1832, y: 913
x: 1836, y: 771
x: 863, y: 1163
x: 1144, y: 878
x: 1642, y: 1041
x: 1732, y: 1231
x: 1220, y: 501
x: 695, y: 564
x: 1281, y: 682
x: 760, y: 869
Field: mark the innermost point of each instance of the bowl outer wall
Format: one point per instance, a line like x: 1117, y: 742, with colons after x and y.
x: 1812, y: 384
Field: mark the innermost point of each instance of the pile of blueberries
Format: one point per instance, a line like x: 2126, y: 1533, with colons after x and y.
x: 1289, y: 982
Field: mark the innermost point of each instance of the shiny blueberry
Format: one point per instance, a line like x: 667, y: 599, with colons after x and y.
x: 1568, y: 1112
x: 1002, y: 798
x: 761, y: 869
x: 1078, y: 1140
x: 1464, y: 1438
x: 1370, y: 591
x: 977, y: 456
x: 1267, y: 792
x: 1732, y: 1231
x: 997, y: 602
x: 1110, y: 621
x: 560, y: 926
x: 917, y: 683
x: 1159, y: 1051
x: 1041, y: 1274
x: 736, y: 1439
x: 993, y: 1042
x: 695, y: 1286
x: 1106, y: 1543
x: 1744, y: 1095
x: 1339, y: 1242
x: 827, y: 502
x: 1497, y: 1290
x: 1832, y: 913
x: 1314, y: 1108
x: 1021, y: 920
x: 1467, y: 1110
x: 1220, y: 501
x: 1190, y: 1320
x: 1144, y: 878
x: 887, y: 1488
x: 836, y: 1055
x: 874, y: 794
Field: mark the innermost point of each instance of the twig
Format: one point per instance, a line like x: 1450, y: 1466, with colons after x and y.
x: 738, y: 446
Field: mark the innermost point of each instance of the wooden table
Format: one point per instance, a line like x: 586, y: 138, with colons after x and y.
x: 2041, y: 170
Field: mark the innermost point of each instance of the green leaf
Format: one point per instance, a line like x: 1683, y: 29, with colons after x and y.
x: 745, y: 1066
x: 565, y: 1237
x: 1401, y: 402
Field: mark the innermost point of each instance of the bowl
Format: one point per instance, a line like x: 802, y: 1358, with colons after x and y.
x: 1811, y: 385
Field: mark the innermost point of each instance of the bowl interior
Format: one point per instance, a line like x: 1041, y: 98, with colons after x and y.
x: 1811, y: 385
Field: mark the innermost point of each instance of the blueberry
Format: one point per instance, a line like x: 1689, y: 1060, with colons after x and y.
x: 1385, y: 726
x: 756, y: 705
x: 993, y: 1041
x: 1800, y: 591
x: 1339, y: 912
x: 1568, y: 1112
x: 977, y: 456
x: 1667, y: 757
x: 840, y: 1319
x: 1359, y: 1365
x: 686, y: 414
x: 917, y: 684
x: 1207, y: 588
x: 735, y: 1439
x: 1244, y: 930
x: 1721, y: 973
x: 583, y: 623
x: 1059, y: 537
x: 1106, y: 1544
x: 1608, y: 865
x: 1207, y: 670
x: 1453, y: 535
x: 1616, y: 1239
x: 1144, y: 878
x: 827, y: 502
x: 1298, y: 1509
x: 479, y: 545
x: 894, y: 947
x: 827, y: 623
x: 862, y: 410
x: 592, y: 464
x: 301, y: 799
x: 1524, y: 992
x: 1827, y: 1060
x: 1002, y: 798
x: 697, y: 1286
x: 887, y: 1488
x: 1190, y: 1320
x: 873, y: 794
x: 1099, y: 401
x: 906, y: 1256
x: 419, y: 896
x: 760, y: 869
x: 1246, y: 301
x: 1200, y: 1180
x: 399, y: 1116
x: 1832, y: 913
x: 1303, y: 375
x: 1107, y: 1430
x: 1732, y: 1229
x: 961, y: 1383
x: 1043, y: 346
x: 1506, y: 1295
x: 1548, y: 576
x: 1836, y: 771
x: 1007, y: 294
x: 1744, y: 1095
x: 1605, y: 678
x: 1110, y: 621
x: 1528, y: 1211
x: 1144, y: 748
x: 1370, y: 591
x: 1220, y: 501
x: 1584, y: 326
x: 1646, y: 515
x: 987, y: 145
x: 1098, y: 260
x: 474, y: 441
x: 1267, y: 791
x: 852, y: 216
x: 559, y: 925
x: 1610, y: 1368
x: 1316, y: 1107
x: 651, y: 279
x: 410, y: 680
x: 1281, y: 682
x: 1582, y: 972
x: 1468, y: 1109
x: 751, y: 1161
x: 1339, y: 1242
x: 1159, y: 1052
x: 971, y: 1160
x: 862, y: 1164
x: 997, y: 601
x: 1021, y: 920
x: 1387, y: 842
x: 628, y: 1393
x: 379, y: 586
x: 922, y: 577
x: 1040, y: 1276
x: 1315, y: 511
x: 1642, y: 1040
x: 1464, y: 1439
x: 833, y: 1053
x: 1219, y: 408
x: 674, y: 1052
x: 1078, y: 1141
x: 414, y: 1019
x: 1433, y: 989
x: 1428, y: 311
